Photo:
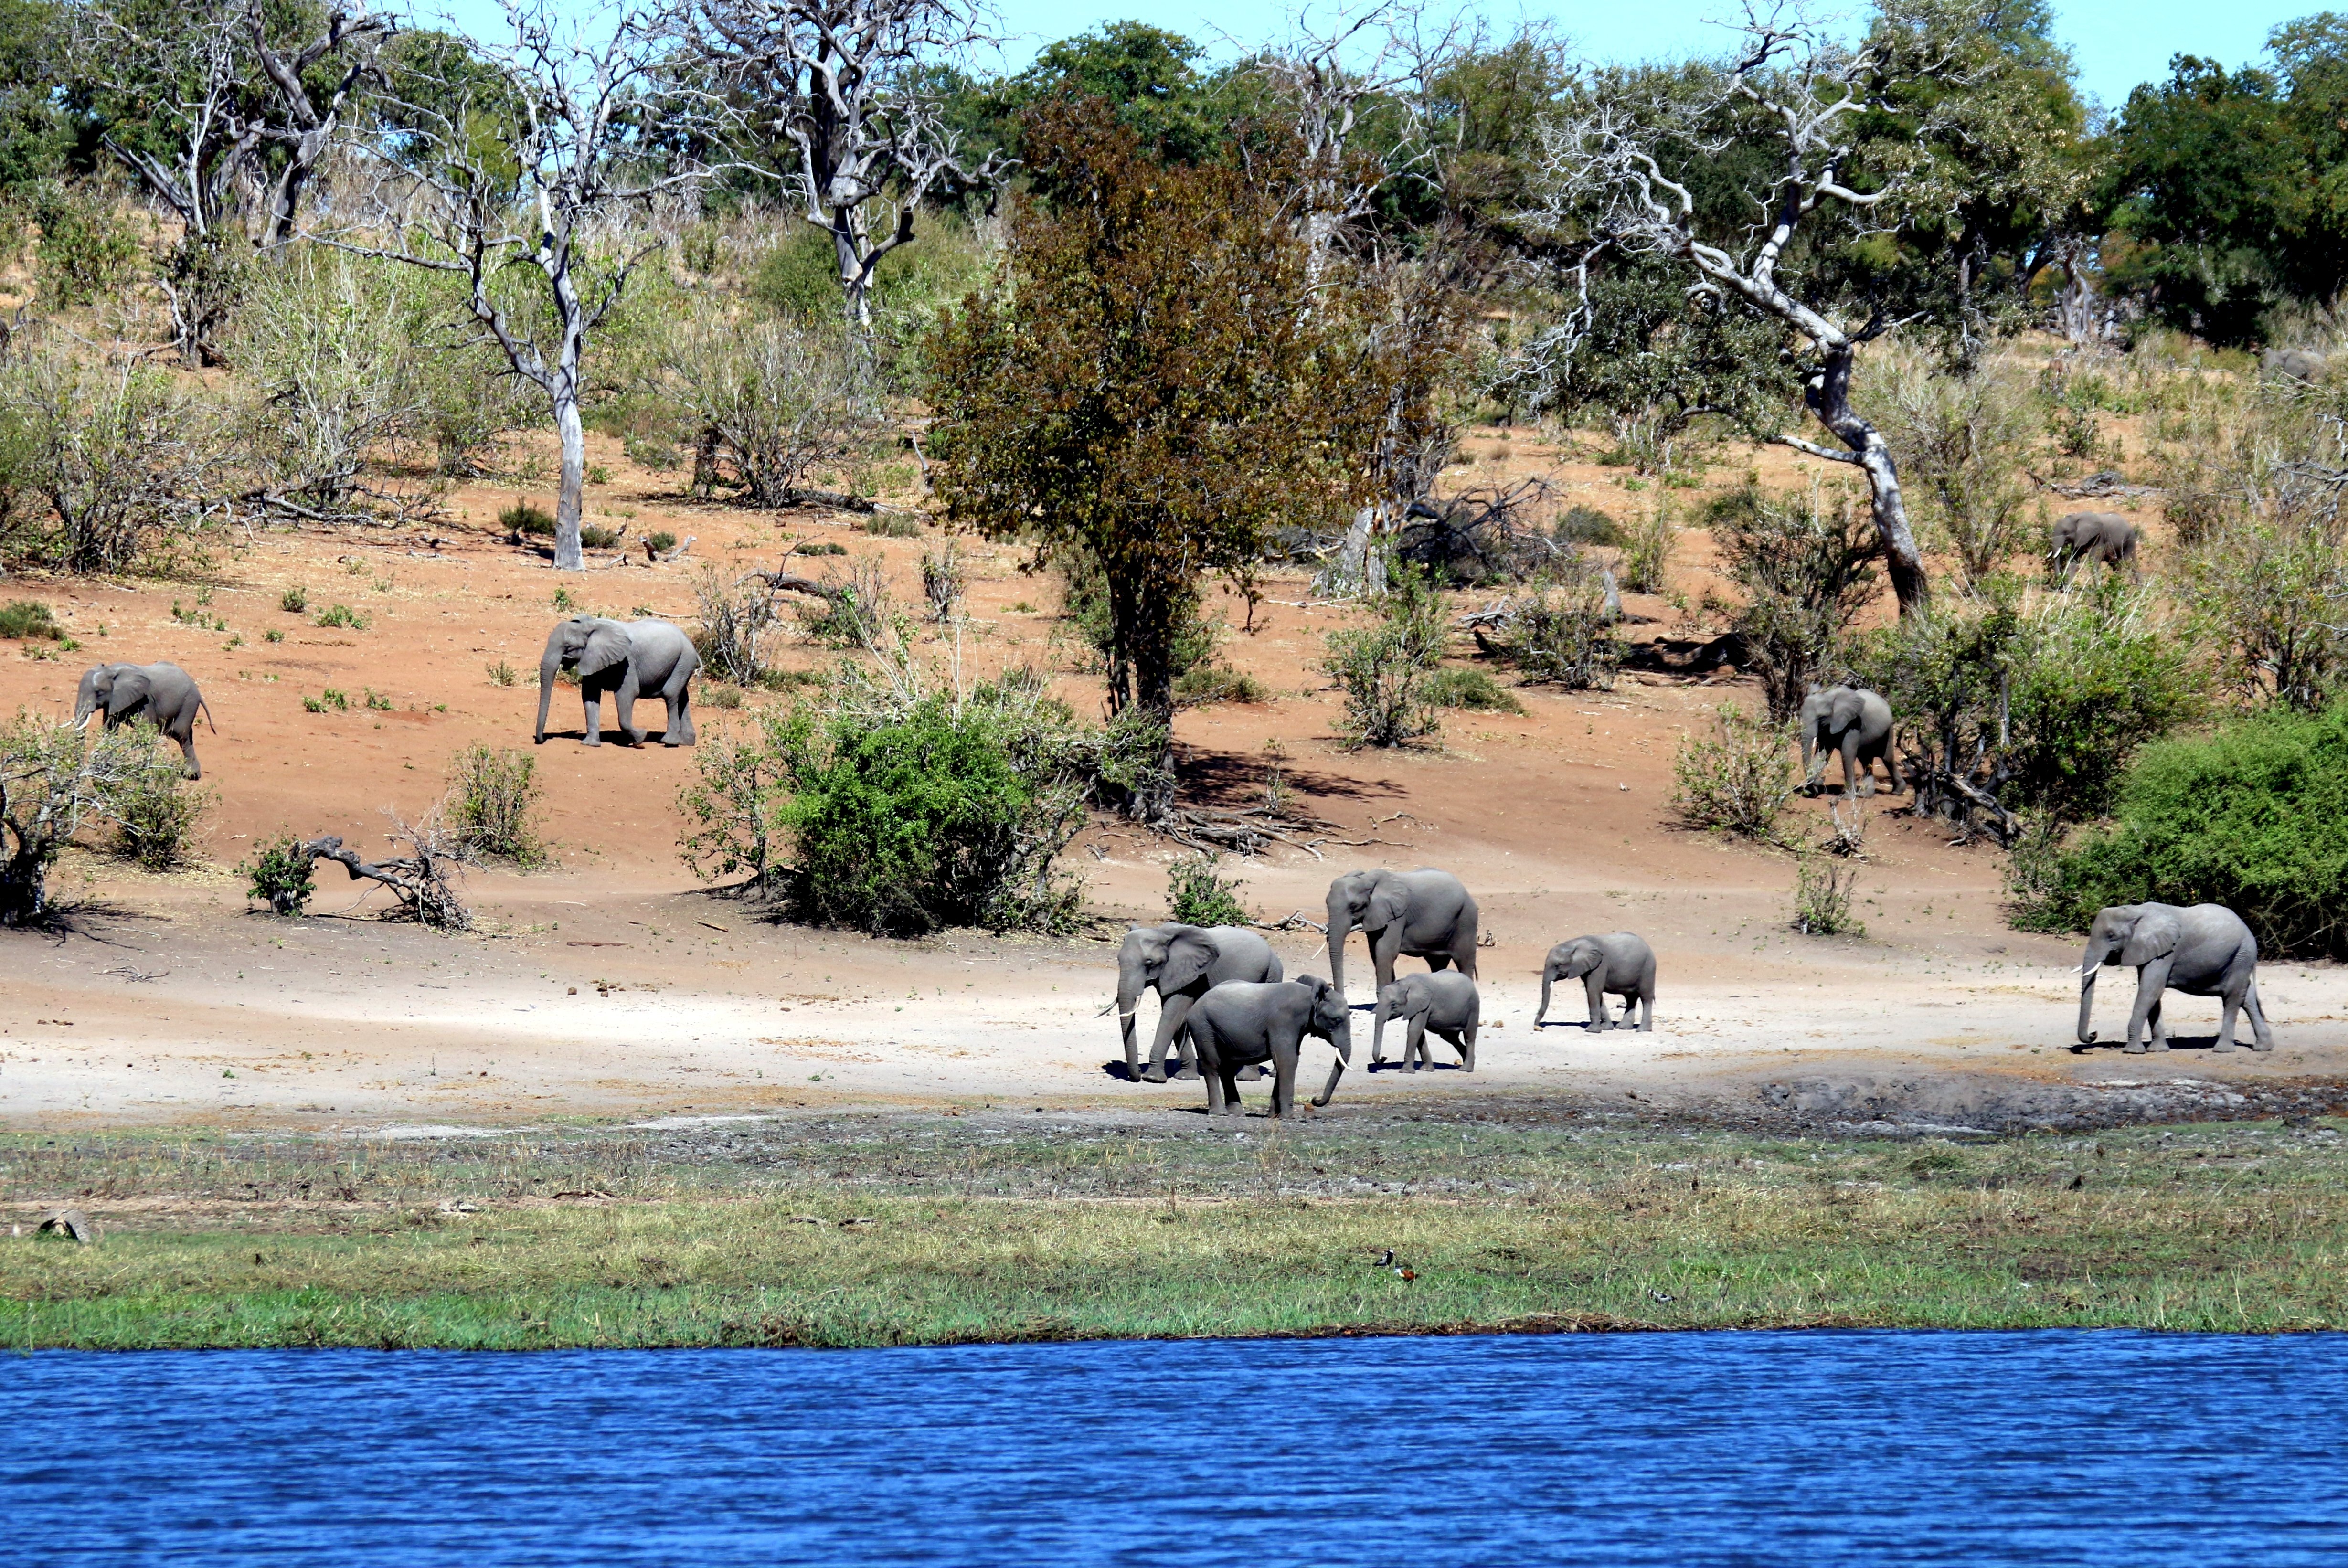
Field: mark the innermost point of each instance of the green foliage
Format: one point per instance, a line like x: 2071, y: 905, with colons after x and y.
x: 1386, y: 670
x: 342, y: 615
x: 492, y: 792
x: 525, y: 520
x: 1562, y: 634
x: 156, y: 810
x: 1196, y: 895
x: 904, y: 812
x: 278, y: 873
x: 331, y: 700
x: 293, y: 601
x: 1211, y: 683
x: 2030, y: 700
x: 28, y: 619
x: 2254, y: 817
x: 1963, y: 444
x: 598, y: 536
x: 1586, y: 525
x: 1804, y: 563
x: 1472, y: 690
x: 894, y: 525
x: 1647, y: 546
x: 1740, y: 782
x: 87, y: 251
x: 1823, y: 890
x: 53, y: 783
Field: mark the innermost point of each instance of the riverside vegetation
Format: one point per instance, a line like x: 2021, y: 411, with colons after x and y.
x: 860, y: 1230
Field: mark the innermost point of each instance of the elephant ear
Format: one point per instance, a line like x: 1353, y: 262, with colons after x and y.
x: 607, y: 645
x: 1387, y: 899
x: 1848, y: 706
x: 1187, y: 958
x: 130, y: 691
x: 2154, y: 936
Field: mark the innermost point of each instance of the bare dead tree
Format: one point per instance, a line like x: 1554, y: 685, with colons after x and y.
x: 224, y: 97
x: 841, y: 82
x: 423, y: 880
x: 1798, y: 91
x: 539, y: 196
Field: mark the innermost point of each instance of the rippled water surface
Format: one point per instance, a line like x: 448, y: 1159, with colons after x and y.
x: 1667, y: 1448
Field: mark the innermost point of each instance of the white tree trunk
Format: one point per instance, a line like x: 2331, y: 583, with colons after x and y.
x: 572, y: 504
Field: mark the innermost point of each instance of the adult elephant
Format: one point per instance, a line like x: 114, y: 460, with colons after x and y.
x: 2100, y: 536
x: 1619, y: 964
x: 1245, y: 1024
x: 1857, y: 724
x: 630, y: 659
x: 1181, y: 963
x: 1419, y: 914
x: 164, y: 694
x: 2203, y: 951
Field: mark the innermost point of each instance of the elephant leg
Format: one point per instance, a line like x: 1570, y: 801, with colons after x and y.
x: 1283, y: 1078
x: 1210, y: 1066
x: 1385, y: 948
x: 1646, y: 1012
x: 1413, y: 1046
x: 592, y: 702
x: 1594, y: 984
x: 1466, y: 1041
x: 188, y: 750
x: 624, y: 701
x: 2150, y: 981
x: 1854, y: 771
x: 680, y: 713
x: 1231, y: 1106
x: 2261, y: 1040
x: 2158, y: 1030
x: 1171, y: 1011
x: 2232, y: 1004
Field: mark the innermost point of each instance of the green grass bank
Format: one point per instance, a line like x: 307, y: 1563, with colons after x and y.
x: 902, y: 1229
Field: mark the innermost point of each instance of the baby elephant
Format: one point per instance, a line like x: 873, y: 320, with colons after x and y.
x: 1857, y: 724
x: 1443, y: 1003
x: 1619, y: 965
x: 1246, y: 1021
x: 2100, y: 536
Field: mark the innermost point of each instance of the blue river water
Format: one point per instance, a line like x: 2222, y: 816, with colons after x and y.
x: 1807, y: 1448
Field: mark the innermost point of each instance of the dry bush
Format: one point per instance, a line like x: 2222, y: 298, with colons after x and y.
x: 53, y: 782
x: 1962, y: 443
x: 767, y: 407
x: 492, y: 792
x: 1805, y: 562
x: 1740, y: 782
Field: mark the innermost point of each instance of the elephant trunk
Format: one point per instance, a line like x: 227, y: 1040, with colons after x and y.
x: 1129, y: 997
x: 1329, y: 1090
x: 550, y: 669
x: 1341, y: 925
x: 2086, y: 1006
x: 1378, y: 1032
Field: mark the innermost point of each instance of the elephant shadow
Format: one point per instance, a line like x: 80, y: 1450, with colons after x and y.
x: 2118, y: 1043
x: 1396, y: 1067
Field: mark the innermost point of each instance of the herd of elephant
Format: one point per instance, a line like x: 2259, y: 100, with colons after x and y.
x: 1227, y: 1009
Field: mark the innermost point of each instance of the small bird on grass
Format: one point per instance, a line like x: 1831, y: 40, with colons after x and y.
x: 1405, y: 1272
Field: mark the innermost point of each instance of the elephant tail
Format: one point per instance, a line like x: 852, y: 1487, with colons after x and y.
x: 206, y: 709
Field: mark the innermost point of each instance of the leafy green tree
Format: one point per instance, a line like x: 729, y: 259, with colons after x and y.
x: 1146, y: 384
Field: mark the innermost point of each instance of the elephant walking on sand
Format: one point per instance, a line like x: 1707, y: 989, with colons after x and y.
x: 2202, y: 951
x: 1419, y: 914
x: 1247, y: 1023
x: 1443, y: 1003
x: 164, y: 694
x: 1855, y: 722
x: 1619, y: 965
x: 630, y: 659
x: 1181, y: 963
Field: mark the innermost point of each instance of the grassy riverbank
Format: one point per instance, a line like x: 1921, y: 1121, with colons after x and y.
x: 926, y: 1229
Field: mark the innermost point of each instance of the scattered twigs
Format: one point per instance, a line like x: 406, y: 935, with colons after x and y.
x: 1299, y: 921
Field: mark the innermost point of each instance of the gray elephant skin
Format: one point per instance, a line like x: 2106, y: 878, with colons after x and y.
x: 2298, y: 363
x: 1418, y: 915
x: 1443, y: 1002
x: 2104, y: 537
x: 164, y: 694
x: 629, y: 659
x: 1854, y: 723
x: 1618, y: 963
x: 2204, y: 950
x: 1181, y: 963
x: 1248, y: 1023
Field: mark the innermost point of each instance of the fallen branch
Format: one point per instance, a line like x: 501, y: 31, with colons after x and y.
x: 421, y: 882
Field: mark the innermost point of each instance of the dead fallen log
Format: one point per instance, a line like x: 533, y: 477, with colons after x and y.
x: 422, y: 882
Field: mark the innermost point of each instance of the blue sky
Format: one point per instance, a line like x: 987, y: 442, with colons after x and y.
x: 2117, y: 43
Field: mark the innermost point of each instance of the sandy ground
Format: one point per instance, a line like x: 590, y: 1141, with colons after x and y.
x: 617, y: 985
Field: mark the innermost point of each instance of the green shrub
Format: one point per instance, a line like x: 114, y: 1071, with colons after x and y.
x: 818, y: 547
x: 2254, y: 817
x: 800, y: 277
x: 660, y: 541
x: 1386, y: 670
x: 1564, y: 635
x: 1195, y: 895
x: 86, y: 252
x: 1472, y: 690
x: 328, y: 701
x: 598, y: 536
x: 1586, y: 525
x: 1740, y: 783
x: 524, y: 520
x: 903, y: 813
x: 156, y: 810
x: 491, y: 795
x: 293, y: 601
x: 28, y: 620
x: 1647, y: 548
x: 1204, y: 684
x: 1804, y: 562
x: 277, y: 873
x: 342, y: 615
x: 1823, y: 888
x: 658, y: 456
x: 894, y: 525
x: 57, y: 780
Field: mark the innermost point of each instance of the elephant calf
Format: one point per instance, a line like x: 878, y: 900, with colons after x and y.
x: 1248, y: 1022
x: 1619, y: 964
x: 1443, y: 1003
x: 2203, y: 951
x: 629, y: 659
x: 2104, y: 537
x: 164, y: 694
x: 1855, y: 722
